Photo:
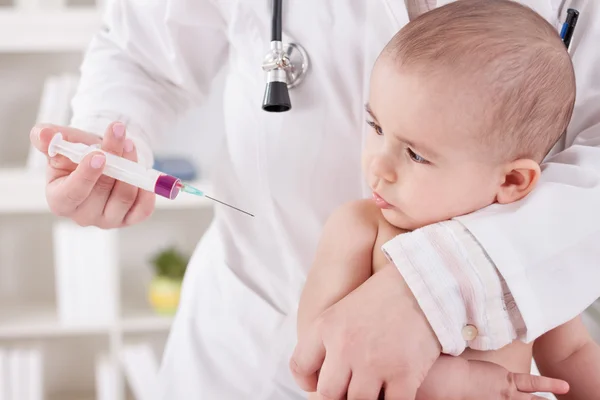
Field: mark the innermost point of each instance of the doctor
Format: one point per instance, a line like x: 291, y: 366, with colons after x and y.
x: 528, y: 267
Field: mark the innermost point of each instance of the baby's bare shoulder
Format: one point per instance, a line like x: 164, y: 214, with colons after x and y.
x: 362, y: 210
x: 355, y: 215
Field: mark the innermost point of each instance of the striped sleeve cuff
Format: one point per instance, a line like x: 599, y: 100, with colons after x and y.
x: 456, y: 286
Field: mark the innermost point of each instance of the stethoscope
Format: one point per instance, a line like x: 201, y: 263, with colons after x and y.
x: 286, y: 66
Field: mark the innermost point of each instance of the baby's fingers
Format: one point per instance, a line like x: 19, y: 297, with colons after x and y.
x: 527, y: 383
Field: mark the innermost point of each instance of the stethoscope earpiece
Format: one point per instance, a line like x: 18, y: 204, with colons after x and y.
x: 285, y: 65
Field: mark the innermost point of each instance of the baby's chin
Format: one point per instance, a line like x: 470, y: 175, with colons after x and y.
x: 401, y: 220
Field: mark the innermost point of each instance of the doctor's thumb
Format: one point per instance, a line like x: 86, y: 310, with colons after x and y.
x: 306, y: 362
x: 306, y: 380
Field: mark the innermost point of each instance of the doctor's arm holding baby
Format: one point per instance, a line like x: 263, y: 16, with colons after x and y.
x: 451, y: 266
x: 481, y: 281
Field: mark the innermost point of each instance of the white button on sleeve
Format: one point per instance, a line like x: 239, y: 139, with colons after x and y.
x: 469, y: 333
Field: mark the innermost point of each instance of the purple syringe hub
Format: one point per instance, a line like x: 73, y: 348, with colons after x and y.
x: 167, y: 186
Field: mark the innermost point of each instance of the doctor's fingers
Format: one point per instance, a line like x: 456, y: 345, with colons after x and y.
x: 41, y: 135
x: 307, y: 359
x: 364, y: 386
x: 91, y: 210
x: 122, y: 196
x: 66, y: 191
x: 400, y: 390
x: 113, y: 142
x: 128, y: 205
x: 142, y: 208
x: 333, y: 378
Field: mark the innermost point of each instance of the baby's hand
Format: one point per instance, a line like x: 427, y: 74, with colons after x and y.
x: 455, y: 378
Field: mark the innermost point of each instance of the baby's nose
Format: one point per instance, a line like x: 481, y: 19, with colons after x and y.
x: 384, y: 169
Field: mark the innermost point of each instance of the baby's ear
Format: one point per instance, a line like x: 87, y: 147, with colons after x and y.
x: 520, y: 177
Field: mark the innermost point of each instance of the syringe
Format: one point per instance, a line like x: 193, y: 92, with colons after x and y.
x: 128, y: 171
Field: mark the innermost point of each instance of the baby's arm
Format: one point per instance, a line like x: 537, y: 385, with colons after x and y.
x: 343, y: 260
x: 568, y: 352
x: 456, y: 378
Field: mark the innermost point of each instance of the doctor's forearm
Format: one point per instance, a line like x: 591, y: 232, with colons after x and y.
x: 113, y: 88
x: 130, y: 74
x: 94, y: 108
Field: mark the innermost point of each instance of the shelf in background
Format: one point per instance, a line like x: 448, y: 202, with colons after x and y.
x: 48, y: 31
x: 143, y: 319
x: 39, y: 320
x: 24, y: 192
x: 72, y: 396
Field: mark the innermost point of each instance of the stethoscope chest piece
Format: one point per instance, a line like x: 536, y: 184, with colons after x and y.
x: 293, y: 59
x: 286, y: 65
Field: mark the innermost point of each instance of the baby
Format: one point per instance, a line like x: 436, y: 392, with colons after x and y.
x: 465, y: 102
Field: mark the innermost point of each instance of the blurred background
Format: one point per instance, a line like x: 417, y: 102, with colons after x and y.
x: 89, y: 323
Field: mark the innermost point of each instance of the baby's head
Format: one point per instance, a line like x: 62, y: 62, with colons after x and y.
x: 465, y: 102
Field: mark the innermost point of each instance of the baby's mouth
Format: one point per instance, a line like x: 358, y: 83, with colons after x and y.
x: 380, y: 202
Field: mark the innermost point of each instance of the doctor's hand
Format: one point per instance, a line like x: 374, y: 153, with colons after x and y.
x: 81, y: 192
x: 375, y: 338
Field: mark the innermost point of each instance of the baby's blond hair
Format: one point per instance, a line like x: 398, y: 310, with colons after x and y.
x: 510, y: 52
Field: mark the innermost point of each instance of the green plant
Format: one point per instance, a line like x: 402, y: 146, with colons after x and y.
x: 170, y: 263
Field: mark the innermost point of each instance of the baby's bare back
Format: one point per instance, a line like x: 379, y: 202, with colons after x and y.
x: 515, y: 357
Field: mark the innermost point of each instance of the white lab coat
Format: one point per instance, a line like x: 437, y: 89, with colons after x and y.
x: 235, y: 329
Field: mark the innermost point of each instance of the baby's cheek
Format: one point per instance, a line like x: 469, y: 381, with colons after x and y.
x: 413, y: 211
x: 434, y: 204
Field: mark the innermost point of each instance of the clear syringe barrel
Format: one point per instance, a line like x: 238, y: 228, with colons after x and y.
x: 119, y: 168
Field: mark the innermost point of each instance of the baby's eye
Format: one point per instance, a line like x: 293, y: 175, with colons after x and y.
x: 375, y: 126
x: 415, y: 157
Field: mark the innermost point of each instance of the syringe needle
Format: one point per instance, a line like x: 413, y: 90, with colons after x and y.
x: 229, y: 205
x: 197, y: 192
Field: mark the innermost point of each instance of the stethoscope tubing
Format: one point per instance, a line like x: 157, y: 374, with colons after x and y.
x: 276, y: 21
